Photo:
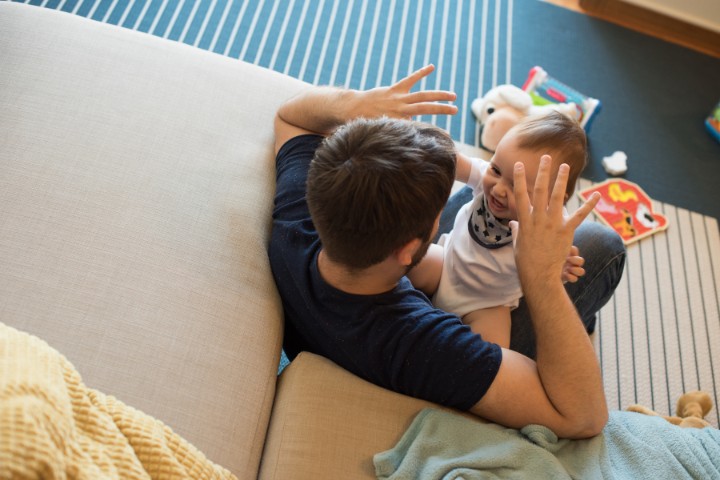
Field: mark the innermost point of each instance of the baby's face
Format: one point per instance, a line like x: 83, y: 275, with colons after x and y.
x: 498, y: 180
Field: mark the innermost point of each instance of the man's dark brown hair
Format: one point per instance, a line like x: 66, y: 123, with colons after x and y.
x: 375, y: 185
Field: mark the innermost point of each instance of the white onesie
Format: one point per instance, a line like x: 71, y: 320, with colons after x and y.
x: 473, y: 275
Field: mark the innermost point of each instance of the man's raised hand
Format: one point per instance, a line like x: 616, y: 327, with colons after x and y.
x: 397, y: 101
x: 543, y: 234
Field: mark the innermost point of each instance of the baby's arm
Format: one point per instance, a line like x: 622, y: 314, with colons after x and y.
x: 425, y: 276
x: 463, y: 167
x: 492, y: 323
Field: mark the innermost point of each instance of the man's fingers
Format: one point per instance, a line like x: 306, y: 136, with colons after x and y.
x: 557, y: 196
x: 426, y: 102
x: 408, y: 82
x: 429, y: 109
x: 584, y: 210
x: 427, y: 96
x: 542, y: 180
x: 522, y: 202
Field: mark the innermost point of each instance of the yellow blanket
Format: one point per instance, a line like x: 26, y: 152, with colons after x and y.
x: 53, y: 426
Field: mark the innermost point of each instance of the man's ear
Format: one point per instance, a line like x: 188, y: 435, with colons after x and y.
x: 405, y: 254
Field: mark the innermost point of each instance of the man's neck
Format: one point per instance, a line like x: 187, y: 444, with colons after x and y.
x: 377, y: 279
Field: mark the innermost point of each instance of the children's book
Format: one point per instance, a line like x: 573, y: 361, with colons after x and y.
x: 544, y: 90
x: 626, y: 208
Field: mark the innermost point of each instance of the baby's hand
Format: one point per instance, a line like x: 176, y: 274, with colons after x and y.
x: 572, y: 270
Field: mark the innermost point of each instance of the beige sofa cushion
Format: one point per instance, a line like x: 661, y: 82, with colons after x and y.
x: 328, y: 423
x: 136, y: 185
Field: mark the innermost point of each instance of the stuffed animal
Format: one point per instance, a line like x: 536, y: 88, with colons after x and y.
x: 692, y: 408
x: 504, y: 106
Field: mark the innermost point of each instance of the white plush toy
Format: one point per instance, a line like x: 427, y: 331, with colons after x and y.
x: 503, y: 107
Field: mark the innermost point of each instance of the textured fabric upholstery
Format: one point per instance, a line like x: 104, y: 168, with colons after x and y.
x: 136, y: 185
x: 136, y: 191
x: 328, y: 423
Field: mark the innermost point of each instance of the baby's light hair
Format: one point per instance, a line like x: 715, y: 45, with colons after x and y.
x: 559, y: 135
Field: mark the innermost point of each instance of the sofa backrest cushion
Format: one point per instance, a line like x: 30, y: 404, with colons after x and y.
x: 136, y: 187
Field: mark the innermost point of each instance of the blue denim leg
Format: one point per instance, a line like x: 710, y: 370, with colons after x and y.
x: 604, y: 254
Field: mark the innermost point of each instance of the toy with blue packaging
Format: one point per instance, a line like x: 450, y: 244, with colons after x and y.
x: 712, y: 122
x: 547, y: 90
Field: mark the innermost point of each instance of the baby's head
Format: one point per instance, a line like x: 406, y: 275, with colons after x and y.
x: 551, y: 133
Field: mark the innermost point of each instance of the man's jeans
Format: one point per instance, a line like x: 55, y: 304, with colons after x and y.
x: 604, y: 254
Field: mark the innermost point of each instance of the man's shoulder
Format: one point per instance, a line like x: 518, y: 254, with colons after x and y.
x: 305, y: 143
x: 292, y: 164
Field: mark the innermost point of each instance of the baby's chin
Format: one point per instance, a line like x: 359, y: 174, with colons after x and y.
x: 504, y: 216
x: 501, y: 213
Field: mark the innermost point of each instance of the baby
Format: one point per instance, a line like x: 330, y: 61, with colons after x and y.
x: 478, y: 277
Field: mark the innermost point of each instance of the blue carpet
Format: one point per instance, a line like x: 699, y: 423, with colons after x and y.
x: 655, y: 95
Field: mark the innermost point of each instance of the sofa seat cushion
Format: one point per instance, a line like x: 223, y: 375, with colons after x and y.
x: 136, y: 191
x: 328, y: 423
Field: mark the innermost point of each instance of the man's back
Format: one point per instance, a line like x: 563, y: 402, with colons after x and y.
x: 395, y: 339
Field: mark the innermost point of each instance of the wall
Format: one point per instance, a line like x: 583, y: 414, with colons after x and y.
x: 705, y: 13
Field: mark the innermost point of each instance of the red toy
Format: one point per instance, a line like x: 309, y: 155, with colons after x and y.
x: 626, y: 208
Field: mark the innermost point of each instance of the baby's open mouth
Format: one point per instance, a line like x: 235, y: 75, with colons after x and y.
x: 495, y: 204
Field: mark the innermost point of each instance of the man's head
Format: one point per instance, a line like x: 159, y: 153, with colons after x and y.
x: 552, y: 133
x: 376, y: 185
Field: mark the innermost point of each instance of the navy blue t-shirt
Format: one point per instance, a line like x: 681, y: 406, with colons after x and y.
x: 396, y: 339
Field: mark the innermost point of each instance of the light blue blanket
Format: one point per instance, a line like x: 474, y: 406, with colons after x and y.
x: 443, y: 445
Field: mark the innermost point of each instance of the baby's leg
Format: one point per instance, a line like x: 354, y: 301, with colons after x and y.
x: 492, y: 324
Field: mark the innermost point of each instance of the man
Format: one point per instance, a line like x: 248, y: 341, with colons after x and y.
x: 359, y: 195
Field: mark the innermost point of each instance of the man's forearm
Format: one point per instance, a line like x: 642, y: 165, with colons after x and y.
x: 321, y: 109
x: 566, y: 361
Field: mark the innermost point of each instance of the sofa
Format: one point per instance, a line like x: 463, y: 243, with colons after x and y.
x: 136, y: 192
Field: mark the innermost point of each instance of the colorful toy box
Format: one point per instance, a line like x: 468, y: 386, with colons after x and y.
x: 545, y: 90
x: 712, y: 122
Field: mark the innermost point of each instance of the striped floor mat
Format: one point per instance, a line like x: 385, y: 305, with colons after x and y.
x: 658, y: 337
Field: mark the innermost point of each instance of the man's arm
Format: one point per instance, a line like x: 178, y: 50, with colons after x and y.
x: 563, y: 390
x: 320, y: 110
